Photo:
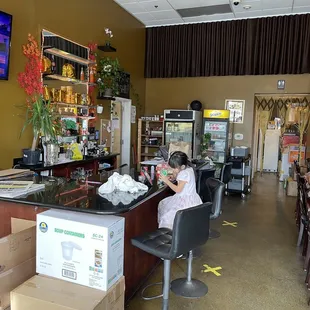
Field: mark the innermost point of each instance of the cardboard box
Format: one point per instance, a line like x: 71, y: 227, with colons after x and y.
x: 291, y: 189
x: 294, y: 153
x: 48, y: 293
x: 14, y: 277
x: 82, y: 248
x: 19, y: 246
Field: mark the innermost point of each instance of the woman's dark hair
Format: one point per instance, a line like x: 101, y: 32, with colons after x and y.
x: 178, y: 159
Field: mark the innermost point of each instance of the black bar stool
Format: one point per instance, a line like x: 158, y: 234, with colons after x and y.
x: 216, y: 190
x: 190, y: 230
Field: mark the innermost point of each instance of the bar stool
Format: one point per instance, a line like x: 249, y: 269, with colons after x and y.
x: 216, y: 190
x: 190, y: 230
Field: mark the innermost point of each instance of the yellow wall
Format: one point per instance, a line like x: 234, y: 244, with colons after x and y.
x: 212, y: 91
x: 79, y: 20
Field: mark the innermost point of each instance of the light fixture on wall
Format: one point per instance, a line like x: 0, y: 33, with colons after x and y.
x: 281, y: 84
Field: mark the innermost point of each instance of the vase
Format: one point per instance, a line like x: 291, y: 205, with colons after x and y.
x: 52, y: 151
x: 99, y: 109
x: 31, y: 157
x: 108, y: 92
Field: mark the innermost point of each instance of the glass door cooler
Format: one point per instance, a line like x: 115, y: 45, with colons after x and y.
x: 216, y: 135
x: 183, y: 126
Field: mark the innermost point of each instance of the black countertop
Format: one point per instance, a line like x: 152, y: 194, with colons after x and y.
x: 88, y: 159
x: 82, y: 195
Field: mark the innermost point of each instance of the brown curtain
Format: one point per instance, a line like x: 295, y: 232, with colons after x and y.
x: 273, y: 45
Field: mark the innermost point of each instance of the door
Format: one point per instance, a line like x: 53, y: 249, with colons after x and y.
x: 218, y: 138
x: 122, y: 120
x: 178, y: 131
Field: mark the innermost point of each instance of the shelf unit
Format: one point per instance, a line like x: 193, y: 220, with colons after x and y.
x: 145, y: 128
x: 49, y: 49
x: 67, y: 79
x: 62, y: 54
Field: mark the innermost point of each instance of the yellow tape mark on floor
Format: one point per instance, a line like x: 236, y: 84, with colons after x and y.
x: 233, y: 224
x: 213, y: 270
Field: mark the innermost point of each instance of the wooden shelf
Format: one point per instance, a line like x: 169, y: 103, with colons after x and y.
x: 149, y: 145
x: 148, y: 155
x: 73, y: 105
x: 66, y: 79
x: 107, y: 48
x: 76, y: 116
x: 68, y: 56
x: 106, y: 98
x: 151, y: 136
x: 143, y: 120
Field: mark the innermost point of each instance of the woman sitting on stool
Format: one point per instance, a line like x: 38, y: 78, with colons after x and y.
x: 185, y: 190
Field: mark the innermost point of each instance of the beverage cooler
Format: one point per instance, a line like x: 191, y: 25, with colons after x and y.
x: 216, y: 133
x: 183, y: 126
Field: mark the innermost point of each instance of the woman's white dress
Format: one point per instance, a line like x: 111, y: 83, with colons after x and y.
x: 188, y: 198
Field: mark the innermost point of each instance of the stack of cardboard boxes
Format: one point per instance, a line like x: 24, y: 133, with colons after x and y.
x: 79, y: 261
x: 17, y: 258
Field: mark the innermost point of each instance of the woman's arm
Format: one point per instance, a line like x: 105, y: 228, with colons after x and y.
x: 175, y: 187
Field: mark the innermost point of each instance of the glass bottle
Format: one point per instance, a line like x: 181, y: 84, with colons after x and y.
x: 82, y: 75
x: 41, y: 148
x: 91, y: 75
x: 53, y: 67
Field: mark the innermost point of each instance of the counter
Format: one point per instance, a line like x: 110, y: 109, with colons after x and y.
x: 81, y: 196
x: 64, y: 169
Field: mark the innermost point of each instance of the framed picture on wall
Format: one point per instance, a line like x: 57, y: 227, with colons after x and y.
x: 236, y: 108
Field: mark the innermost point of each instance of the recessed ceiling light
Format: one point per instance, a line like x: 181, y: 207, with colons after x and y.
x: 246, y: 7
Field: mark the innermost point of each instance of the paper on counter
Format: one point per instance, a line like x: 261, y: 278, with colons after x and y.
x: 123, y: 183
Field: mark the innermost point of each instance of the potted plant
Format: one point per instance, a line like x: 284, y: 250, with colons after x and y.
x: 108, y: 77
x: 206, y: 138
x: 38, y: 112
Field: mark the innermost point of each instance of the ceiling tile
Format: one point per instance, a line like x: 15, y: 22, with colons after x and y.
x: 249, y: 13
x: 220, y: 17
x: 143, y: 17
x: 125, y: 1
x: 150, y: 6
x: 255, y: 6
x: 208, y: 18
x: 173, y: 21
x: 181, y: 4
x: 276, y: 4
x: 301, y: 3
x: 169, y: 14
x: 133, y: 7
x: 277, y: 11
x: 301, y: 9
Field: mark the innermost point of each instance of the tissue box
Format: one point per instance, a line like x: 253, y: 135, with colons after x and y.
x: 85, y: 249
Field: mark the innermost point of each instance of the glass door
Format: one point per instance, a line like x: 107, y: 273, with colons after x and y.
x: 178, y: 131
x: 215, y: 132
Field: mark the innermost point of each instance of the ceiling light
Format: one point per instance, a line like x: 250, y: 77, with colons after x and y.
x: 246, y: 7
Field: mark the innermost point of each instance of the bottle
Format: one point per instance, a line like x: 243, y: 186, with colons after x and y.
x: 41, y: 148
x: 91, y: 76
x: 82, y: 75
x: 53, y: 67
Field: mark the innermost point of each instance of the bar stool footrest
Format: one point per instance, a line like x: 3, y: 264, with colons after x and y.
x: 151, y: 297
x: 189, y: 289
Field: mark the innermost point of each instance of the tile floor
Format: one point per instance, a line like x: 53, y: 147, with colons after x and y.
x: 261, y: 266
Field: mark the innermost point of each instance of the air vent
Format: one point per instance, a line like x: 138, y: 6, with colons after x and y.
x: 205, y: 10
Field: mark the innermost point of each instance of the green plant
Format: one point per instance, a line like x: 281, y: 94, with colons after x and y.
x: 38, y: 112
x: 206, y: 138
x: 42, y: 119
x: 69, y: 124
x: 136, y: 98
x: 109, y: 75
